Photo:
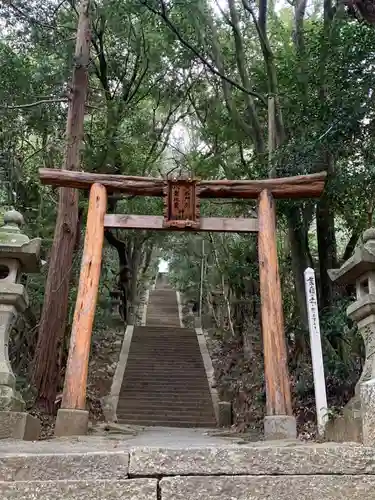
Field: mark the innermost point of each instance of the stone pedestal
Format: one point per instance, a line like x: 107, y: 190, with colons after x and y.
x: 362, y: 311
x: 359, y: 269
x: 19, y: 425
x: 13, y: 300
x: 17, y: 255
x: 109, y: 405
x: 348, y: 426
x: 280, y: 427
x: 225, y: 414
x: 367, y: 394
x: 71, y: 423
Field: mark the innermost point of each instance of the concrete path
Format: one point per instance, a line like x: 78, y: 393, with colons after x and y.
x: 152, y: 437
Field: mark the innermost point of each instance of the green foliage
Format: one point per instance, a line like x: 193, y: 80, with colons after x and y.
x: 156, y: 105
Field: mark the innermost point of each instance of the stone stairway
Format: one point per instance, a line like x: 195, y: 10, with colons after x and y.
x: 165, y: 382
x: 162, y: 309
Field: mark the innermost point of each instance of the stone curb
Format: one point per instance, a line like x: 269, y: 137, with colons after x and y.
x: 308, y: 460
x: 129, y: 489
x: 350, y: 459
x: 64, y: 466
x: 315, y: 487
x: 333, y: 487
x: 110, y: 402
x: 210, y: 372
x: 258, y: 472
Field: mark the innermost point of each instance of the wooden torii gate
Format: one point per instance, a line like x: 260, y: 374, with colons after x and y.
x: 181, y: 212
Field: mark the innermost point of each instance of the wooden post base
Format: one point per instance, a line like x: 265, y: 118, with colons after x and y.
x: 280, y: 427
x: 71, y: 423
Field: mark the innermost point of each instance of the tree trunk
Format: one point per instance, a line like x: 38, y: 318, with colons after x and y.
x: 324, y: 212
x: 299, y: 249
x: 133, y: 283
x: 54, y: 313
x: 325, y: 226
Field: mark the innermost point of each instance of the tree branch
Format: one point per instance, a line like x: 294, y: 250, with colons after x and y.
x: 119, y: 245
x: 32, y: 20
x: 36, y: 103
x: 350, y: 247
x: 203, y: 60
x: 240, y: 60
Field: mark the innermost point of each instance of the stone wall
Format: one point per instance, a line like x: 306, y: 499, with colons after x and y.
x: 251, y: 472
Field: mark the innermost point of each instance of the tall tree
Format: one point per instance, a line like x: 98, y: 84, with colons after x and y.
x: 54, y: 313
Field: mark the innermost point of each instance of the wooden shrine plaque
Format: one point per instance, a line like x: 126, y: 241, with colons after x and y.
x: 181, y: 204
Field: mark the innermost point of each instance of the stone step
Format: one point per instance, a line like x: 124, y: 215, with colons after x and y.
x: 160, y: 398
x: 197, y: 380
x: 164, y: 411
x: 180, y: 390
x: 163, y: 330
x: 181, y: 386
x: 168, y: 361
x: 256, y: 471
x: 181, y: 422
x: 160, y: 412
x: 164, y: 337
x: 167, y: 343
x: 161, y: 337
x: 164, y: 340
x: 116, y: 489
x: 166, y: 364
x: 162, y: 403
x: 174, y: 348
x: 162, y: 314
x: 157, y: 355
x: 182, y: 351
x: 166, y: 372
x: 160, y: 375
x: 158, y: 304
x: 159, y: 391
x: 179, y: 381
x: 161, y: 321
x: 165, y: 404
x: 193, y: 365
x: 74, y: 460
x: 160, y: 309
x: 170, y: 324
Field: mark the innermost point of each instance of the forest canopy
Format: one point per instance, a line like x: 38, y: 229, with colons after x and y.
x: 233, y: 89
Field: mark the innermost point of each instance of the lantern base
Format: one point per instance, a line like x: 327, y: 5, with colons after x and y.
x: 19, y: 425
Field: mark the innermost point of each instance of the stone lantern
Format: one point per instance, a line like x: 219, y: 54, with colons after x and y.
x: 18, y: 255
x: 360, y: 270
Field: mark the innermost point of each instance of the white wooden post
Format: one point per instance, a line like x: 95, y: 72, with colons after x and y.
x: 316, y: 351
